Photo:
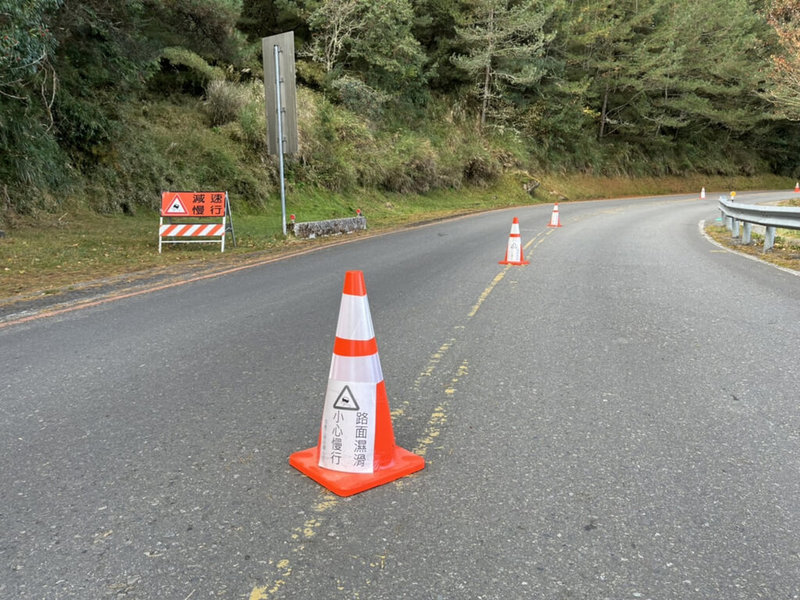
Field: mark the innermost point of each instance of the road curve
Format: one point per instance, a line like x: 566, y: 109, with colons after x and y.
x: 617, y: 419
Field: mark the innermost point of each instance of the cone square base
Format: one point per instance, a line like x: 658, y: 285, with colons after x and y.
x: 346, y: 484
x: 508, y: 262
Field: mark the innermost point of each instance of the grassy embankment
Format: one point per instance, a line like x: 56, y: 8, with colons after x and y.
x: 106, y: 224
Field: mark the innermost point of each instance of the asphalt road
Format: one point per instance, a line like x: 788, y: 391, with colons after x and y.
x: 618, y: 419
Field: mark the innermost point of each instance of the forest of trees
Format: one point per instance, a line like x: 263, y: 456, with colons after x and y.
x: 605, y: 86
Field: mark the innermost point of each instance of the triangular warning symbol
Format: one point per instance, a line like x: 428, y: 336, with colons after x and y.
x: 177, y: 208
x: 346, y: 400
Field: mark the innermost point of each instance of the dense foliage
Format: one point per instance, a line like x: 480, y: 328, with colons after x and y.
x: 403, y: 95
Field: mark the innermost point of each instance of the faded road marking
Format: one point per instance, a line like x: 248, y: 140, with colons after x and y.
x: 430, y: 435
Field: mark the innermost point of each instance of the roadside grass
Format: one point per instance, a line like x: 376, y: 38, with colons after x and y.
x: 790, y: 233
x: 52, y: 253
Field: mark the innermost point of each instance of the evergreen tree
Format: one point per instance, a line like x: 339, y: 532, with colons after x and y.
x: 26, y: 43
x: 601, y: 38
x: 669, y: 77
x: 702, y: 67
x: 28, y: 84
x: 506, y: 45
x: 262, y: 18
x: 386, y: 51
x: 370, y: 39
x: 784, y: 92
x: 435, y: 29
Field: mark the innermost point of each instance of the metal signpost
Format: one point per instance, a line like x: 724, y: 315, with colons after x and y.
x: 281, y: 103
x: 280, y: 133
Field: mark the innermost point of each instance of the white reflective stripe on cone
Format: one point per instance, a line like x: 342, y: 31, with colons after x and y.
x: 355, y: 321
x: 364, y: 369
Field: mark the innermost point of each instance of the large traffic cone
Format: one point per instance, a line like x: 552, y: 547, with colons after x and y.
x: 514, y: 248
x: 356, y: 449
x: 555, y: 221
x: 703, y: 194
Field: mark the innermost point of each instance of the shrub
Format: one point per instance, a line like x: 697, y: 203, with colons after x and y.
x: 185, y: 70
x: 411, y: 167
x: 224, y: 101
x: 253, y: 119
x: 481, y: 170
x: 360, y: 98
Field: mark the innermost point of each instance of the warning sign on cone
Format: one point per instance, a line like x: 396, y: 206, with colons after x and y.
x: 514, y: 248
x: 356, y: 449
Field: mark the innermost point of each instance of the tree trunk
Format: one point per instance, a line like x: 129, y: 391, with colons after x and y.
x: 604, y: 114
x: 487, y: 79
x: 485, y: 104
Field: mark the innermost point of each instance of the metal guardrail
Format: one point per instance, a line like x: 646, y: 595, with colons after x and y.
x: 771, y: 217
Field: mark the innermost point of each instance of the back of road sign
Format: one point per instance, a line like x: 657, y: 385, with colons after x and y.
x: 285, y: 44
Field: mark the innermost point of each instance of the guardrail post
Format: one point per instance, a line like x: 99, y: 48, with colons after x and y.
x: 769, y: 238
x: 729, y: 223
x: 746, y: 230
x: 735, y: 229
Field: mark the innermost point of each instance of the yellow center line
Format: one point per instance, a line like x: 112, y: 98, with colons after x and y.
x: 487, y: 291
x: 433, y: 429
x: 485, y: 294
x: 264, y: 592
x: 435, y: 359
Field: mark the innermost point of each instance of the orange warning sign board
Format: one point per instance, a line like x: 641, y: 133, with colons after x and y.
x: 192, y: 204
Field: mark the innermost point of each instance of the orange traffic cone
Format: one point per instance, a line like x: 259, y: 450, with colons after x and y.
x: 797, y: 187
x: 514, y: 248
x: 554, y: 218
x: 356, y: 449
x: 703, y: 194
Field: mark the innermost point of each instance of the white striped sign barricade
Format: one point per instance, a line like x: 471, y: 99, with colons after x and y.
x: 194, y: 218
x: 514, y: 248
x: 192, y: 230
x: 356, y: 449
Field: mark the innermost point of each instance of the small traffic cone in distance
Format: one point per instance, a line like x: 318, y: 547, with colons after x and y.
x: 797, y: 187
x: 514, y: 247
x: 555, y: 220
x: 356, y: 449
x: 703, y: 194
